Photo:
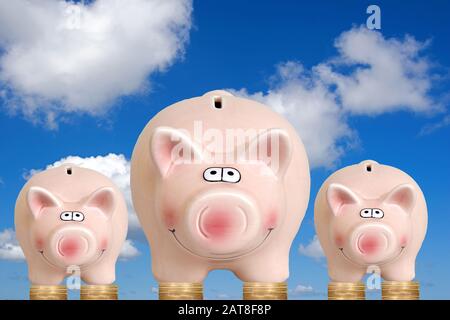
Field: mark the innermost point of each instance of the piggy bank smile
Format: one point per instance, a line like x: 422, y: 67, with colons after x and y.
x: 221, y: 224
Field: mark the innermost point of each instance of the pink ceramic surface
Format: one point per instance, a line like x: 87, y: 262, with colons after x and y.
x: 71, y: 216
x: 370, y: 216
x: 218, y: 212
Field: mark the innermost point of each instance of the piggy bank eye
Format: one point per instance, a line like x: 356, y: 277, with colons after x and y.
x: 366, y: 213
x: 213, y: 174
x: 231, y: 175
x: 66, y: 216
x: 78, y: 216
x: 377, y: 213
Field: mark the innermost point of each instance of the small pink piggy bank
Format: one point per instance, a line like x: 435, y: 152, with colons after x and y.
x: 204, y: 205
x: 370, y: 216
x: 70, y: 217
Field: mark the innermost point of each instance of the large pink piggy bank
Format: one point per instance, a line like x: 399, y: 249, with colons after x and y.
x: 70, y: 216
x: 204, y: 205
x: 370, y: 215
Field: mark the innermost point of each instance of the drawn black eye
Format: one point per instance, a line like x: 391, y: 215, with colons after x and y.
x: 366, y: 213
x: 377, y: 213
x: 66, y: 216
x: 213, y: 174
x: 231, y: 175
x: 78, y: 216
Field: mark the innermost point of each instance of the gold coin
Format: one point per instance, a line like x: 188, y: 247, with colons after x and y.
x: 400, y: 290
x: 99, y: 292
x: 180, y: 291
x: 265, y: 291
x: 346, y: 291
x: 41, y: 292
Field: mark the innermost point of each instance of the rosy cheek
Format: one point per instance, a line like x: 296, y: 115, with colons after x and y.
x: 403, y: 241
x: 104, y: 244
x: 39, y: 243
x: 169, y: 218
x: 272, y: 219
x: 339, y: 240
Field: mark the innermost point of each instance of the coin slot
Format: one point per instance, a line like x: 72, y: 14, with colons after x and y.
x: 69, y: 171
x: 369, y: 168
x: 218, y: 102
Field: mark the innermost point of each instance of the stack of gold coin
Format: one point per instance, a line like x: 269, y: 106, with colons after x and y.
x: 99, y: 292
x: 180, y: 291
x: 400, y: 290
x: 38, y: 292
x: 265, y: 291
x: 346, y: 291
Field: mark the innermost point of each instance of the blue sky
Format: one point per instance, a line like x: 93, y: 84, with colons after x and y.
x: 265, y: 50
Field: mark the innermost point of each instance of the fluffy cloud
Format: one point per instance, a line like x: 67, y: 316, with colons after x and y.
x: 312, y: 249
x: 430, y: 128
x: 301, y: 289
x: 9, y: 247
x: 61, y: 57
x: 386, y: 74
x: 370, y: 75
x: 128, y: 251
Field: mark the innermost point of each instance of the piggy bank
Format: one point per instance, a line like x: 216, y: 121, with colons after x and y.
x: 219, y: 182
x: 70, y: 217
x: 370, y: 217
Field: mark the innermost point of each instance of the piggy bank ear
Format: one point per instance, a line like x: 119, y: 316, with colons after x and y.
x: 169, y: 147
x: 338, y: 196
x: 272, y: 147
x: 403, y: 196
x: 39, y: 198
x: 104, y: 200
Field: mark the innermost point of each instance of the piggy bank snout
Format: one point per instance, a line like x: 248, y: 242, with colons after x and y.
x: 374, y: 241
x: 220, y: 223
x: 223, y: 221
x: 74, y: 245
x: 222, y: 215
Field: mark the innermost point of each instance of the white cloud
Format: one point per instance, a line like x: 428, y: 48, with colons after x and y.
x: 114, y: 166
x: 312, y: 249
x: 9, y: 247
x: 430, y: 128
x: 300, y: 289
x: 370, y: 75
x: 386, y: 74
x: 128, y: 250
x: 62, y: 57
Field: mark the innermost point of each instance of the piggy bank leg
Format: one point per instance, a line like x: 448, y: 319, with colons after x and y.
x: 175, y: 283
x: 345, y: 281
x: 99, y: 283
x: 264, y: 276
x: 398, y: 284
x: 46, y: 283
